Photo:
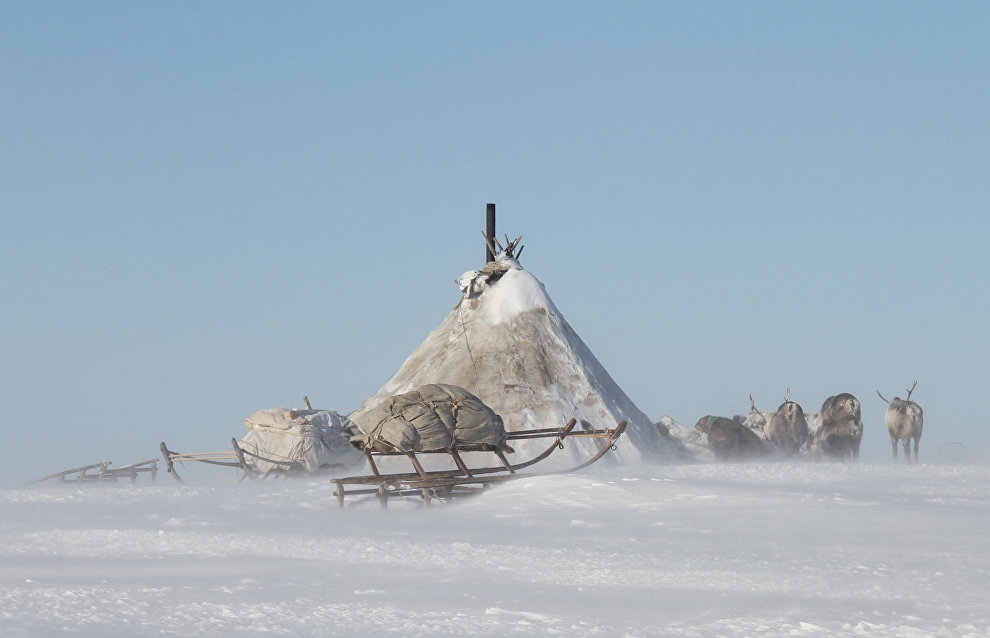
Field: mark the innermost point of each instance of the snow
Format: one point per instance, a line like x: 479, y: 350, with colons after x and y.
x: 771, y: 549
x: 516, y: 292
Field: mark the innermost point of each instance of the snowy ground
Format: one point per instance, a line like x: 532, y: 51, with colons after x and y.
x: 776, y: 549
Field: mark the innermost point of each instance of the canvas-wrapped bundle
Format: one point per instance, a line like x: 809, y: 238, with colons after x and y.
x: 432, y: 417
x: 307, y: 440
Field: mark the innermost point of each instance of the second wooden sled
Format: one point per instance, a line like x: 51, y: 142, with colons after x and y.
x: 442, y: 484
x: 102, y: 473
x: 237, y: 458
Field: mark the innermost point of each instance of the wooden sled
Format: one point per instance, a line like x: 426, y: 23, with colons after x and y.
x: 102, y: 473
x: 442, y: 484
x: 237, y: 458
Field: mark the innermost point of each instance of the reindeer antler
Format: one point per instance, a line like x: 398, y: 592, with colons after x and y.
x: 510, y: 246
x: 882, y: 397
x: 752, y: 404
x: 912, y: 389
x: 488, y: 242
x: 787, y: 396
x: 496, y: 247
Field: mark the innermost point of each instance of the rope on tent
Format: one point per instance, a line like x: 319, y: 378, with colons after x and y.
x: 477, y: 377
x: 443, y: 351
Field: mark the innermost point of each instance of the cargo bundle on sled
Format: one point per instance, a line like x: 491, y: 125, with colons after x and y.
x: 439, y: 420
x: 281, y: 442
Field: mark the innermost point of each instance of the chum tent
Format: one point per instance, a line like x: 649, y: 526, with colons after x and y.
x: 506, y: 342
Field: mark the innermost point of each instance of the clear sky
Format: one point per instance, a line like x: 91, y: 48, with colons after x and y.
x: 210, y: 208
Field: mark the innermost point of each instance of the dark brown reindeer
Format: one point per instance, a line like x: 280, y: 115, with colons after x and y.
x: 841, y: 431
x: 905, y: 420
x: 730, y: 440
x: 788, y: 427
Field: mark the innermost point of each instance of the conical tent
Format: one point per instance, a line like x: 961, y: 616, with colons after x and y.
x: 506, y: 342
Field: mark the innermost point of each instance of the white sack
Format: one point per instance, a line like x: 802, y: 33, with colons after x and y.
x: 306, y: 440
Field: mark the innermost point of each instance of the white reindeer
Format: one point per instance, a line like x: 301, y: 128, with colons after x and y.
x: 905, y: 420
x: 788, y: 427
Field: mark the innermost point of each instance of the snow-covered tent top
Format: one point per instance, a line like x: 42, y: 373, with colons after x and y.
x: 506, y: 342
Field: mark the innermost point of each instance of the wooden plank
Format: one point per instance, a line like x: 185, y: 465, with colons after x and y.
x: 198, y: 456
x: 138, y: 466
x: 459, y: 462
x: 415, y: 463
x: 65, y: 473
x: 505, y: 462
x: 167, y: 455
x: 240, y: 458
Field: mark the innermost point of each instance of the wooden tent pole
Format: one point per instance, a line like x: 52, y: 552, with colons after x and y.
x: 490, y: 232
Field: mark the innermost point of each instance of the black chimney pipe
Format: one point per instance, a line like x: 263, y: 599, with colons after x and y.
x: 490, y: 233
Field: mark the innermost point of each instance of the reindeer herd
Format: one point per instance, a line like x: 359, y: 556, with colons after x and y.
x: 835, y: 432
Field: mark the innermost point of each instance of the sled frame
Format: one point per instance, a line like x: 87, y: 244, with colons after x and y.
x: 442, y: 484
x: 237, y: 458
x: 102, y: 473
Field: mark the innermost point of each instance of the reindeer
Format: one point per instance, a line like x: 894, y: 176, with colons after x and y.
x: 904, y: 419
x: 841, y: 431
x: 730, y: 440
x: 756, y: 419
x: 788, y: 427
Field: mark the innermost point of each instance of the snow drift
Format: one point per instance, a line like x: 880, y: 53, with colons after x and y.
x: 736, y: 550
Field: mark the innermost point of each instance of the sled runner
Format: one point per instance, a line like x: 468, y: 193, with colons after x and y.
x: 102, y: 472
x: 441, y: 484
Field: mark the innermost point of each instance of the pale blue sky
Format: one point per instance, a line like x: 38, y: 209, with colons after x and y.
x: 209, y: 208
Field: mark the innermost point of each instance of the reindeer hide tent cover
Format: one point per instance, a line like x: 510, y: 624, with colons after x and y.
x: 507, y: 343
x: 310, y: 440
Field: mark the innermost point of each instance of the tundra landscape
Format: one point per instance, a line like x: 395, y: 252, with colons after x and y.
x: 260, y: 376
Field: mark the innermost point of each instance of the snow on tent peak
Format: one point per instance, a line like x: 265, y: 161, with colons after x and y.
x: 507, y: 343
